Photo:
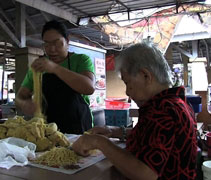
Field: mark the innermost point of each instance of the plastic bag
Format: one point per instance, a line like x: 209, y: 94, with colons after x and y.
x: 15, y: 152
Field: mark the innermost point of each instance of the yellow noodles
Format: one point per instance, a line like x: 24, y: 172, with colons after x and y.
x: 37, y: 78
x: 45, y: 136
x: 58, y: 156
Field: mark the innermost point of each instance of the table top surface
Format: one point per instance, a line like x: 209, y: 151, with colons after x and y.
x: 102, y: 170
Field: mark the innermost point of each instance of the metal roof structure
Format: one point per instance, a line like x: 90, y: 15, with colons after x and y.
x: 92, y: 8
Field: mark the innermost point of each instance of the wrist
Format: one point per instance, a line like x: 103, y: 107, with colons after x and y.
x: 57, y: 69
x: 24, y: 104
x: 115, y: 131
x: 118, y: 132
x: 123, y: 133
x: 100, y: 141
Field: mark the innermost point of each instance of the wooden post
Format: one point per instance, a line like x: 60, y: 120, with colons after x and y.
x: 185, y: 69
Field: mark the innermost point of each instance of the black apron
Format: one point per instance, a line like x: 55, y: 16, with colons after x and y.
x: 64, y: 106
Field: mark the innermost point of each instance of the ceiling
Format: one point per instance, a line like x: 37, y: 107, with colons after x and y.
x: 93, y: 8
x: 21, y: 21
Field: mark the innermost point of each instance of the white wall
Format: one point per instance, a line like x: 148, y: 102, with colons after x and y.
x: 199, y: 77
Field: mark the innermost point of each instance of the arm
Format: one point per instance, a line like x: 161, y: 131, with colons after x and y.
x: 125, y: 162
x: 110, y: 131
x: 23, y: 101
x: 83, y: 83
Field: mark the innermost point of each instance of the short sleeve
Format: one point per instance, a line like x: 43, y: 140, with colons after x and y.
x: 85, y: 64
x: 28, y: 80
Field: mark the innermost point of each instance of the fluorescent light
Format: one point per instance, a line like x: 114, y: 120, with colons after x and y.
x: 84, y: 21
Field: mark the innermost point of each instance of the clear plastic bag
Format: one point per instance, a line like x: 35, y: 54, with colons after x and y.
x: 15, y: 152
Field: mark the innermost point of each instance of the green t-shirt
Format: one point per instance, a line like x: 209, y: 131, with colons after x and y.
x: 78, y: 63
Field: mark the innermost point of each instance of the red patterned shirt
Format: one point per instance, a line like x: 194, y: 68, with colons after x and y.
x: 165, y: 136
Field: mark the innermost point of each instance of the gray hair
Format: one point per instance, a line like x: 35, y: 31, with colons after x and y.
x: 144, y: 55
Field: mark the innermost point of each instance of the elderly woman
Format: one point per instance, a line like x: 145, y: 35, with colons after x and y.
x: 163, y: 143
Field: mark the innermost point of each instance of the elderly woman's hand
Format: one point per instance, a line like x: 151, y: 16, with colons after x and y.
x: 105, y: 131
x: 85, y: 143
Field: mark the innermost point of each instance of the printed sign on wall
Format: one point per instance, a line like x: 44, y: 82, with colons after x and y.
x: 99, y: 66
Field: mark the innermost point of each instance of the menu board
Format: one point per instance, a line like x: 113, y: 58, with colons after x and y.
x: 98, y: 98
x: 97, y: 55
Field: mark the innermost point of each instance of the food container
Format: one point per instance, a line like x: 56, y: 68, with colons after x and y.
x: 115, y: 104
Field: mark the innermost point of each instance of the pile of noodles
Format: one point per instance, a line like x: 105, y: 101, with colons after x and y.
x: 58, y: 156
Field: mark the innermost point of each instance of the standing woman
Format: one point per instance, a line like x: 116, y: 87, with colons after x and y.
x: 68, y: 79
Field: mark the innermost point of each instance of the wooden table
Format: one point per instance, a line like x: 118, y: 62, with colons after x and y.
x: 102, y: 170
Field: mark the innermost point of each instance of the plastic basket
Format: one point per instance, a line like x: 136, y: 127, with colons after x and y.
x: 117, y: 117
x: 111, y: 104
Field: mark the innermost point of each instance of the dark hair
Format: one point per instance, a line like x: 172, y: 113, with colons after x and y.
x: 55, y: 25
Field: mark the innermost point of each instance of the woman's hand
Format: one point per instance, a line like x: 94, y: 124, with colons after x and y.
x: 28, y: 107
x: 44, y: 65
x: 105, y: 130
x: 85, y: 143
